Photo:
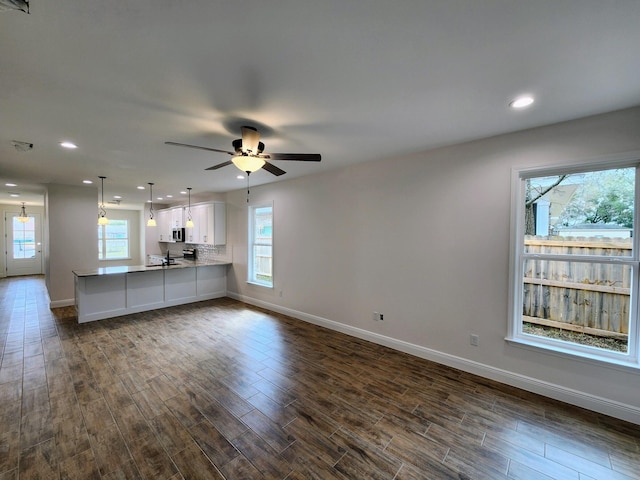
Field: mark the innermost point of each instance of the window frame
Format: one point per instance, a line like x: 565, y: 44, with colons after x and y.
x: 104, y: 240
x: 515, y: 335
x: 251, y: 244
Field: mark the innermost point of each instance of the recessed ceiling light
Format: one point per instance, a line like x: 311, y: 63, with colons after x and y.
x: 87, y: 182
x: 69, y: 145
x: 14, y: 195
x: 183, y: 193
x: 140, y: 187
x: 240, y: 177
x: 11, y: 185
x: 521, y: 102
x: 159, y: 198
x: 169, y: 196
x: 117, y: 197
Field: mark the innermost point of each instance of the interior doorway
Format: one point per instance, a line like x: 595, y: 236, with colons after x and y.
x: 23, y: 247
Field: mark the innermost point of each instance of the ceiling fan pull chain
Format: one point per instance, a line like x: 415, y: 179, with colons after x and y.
x: 248, y: 186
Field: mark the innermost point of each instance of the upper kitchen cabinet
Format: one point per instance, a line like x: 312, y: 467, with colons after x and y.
x: 168, y: 219
x: 165, y: 230
x: 177, y: 217
x: 209, y: 224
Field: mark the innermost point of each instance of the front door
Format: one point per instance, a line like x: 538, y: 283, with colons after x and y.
x: 23, y: 244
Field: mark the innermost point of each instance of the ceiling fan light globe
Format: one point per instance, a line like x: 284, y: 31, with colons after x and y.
x: 248, y: 163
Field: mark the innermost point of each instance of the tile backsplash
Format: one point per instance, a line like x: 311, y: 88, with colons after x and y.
x: 209, y: 252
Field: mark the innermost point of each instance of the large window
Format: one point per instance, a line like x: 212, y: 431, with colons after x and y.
x: 113, y: 240
x: 575, y: 263
x: 260, y: 268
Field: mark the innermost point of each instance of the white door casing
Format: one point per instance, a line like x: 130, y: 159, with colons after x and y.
x: 23, y: 244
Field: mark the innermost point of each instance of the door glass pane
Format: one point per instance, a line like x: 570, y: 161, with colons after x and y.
x: 578, y: 302
x: 24, y: 239
x: 588, y: 213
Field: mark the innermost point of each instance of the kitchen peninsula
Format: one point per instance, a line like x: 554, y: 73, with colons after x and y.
x: 115, y: 291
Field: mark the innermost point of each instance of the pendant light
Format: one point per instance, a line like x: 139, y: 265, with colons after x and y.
x: 189, y: 223
x: 152, y: 221
x: 102, y: 213
x: 23, y: 218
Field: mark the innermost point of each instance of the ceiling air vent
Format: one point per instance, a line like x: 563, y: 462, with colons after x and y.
x: 21, y: 146
x: 22, y: 5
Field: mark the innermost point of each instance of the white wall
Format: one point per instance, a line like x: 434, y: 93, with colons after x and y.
x: 424, y: 239
x: 71, y: 241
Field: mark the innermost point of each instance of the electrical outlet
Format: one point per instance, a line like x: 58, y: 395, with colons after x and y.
x: 381, y: 317
x: 474, y: 339
x: 376, y: 316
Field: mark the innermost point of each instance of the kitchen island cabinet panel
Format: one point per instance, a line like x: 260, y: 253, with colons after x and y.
x: 115, y: 291
x: 103, y: 299
x: 179, y: 286
x: 211, y: 282
x: 145, y: 290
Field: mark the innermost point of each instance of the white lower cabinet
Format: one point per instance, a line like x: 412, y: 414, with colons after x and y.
x: 180, y: 286
x: 145, y: 290
x: 210, y: 280
x: 113, y: 295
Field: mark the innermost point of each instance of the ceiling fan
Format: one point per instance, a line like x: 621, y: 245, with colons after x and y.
x: 248, y: 155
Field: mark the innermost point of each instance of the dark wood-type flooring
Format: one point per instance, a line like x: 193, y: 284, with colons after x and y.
x: 221, y: 389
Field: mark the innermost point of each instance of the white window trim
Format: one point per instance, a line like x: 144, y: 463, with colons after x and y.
x: 515, y: 336
x: 250, y: 234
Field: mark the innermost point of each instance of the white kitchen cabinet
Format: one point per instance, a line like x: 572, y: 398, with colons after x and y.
x: 177, y: 217
x: 163, y: 221
x: 209, y: 224
x: 116, y: 291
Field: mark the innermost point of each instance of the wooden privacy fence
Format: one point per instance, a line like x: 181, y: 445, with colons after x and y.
x: 587, y: 297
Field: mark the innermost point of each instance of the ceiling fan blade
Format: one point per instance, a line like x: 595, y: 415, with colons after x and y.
x: 220, y: 165
x: 199, y: 148
x: 273, y: 169
x: 300, y: 157
x: 250, y: 140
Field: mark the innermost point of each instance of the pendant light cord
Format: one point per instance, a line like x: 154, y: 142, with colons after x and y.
x: 248, y: 186
x: 189, y: 211
x: 151, y: 201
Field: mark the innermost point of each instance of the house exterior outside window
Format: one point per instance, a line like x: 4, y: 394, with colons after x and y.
x: 260, y: 264
x: 574, y: 261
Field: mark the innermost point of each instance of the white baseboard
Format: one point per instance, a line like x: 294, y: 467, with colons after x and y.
x: 69, y: 302
x: 606, y: 406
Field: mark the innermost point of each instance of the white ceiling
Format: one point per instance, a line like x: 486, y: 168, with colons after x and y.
x: 354, y: 80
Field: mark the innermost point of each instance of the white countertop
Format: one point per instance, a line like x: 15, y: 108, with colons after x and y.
x: 151, y: 268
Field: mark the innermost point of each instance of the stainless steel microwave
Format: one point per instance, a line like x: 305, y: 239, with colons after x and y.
x: 178, y: 234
